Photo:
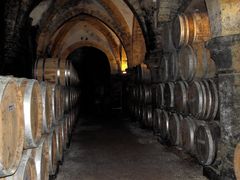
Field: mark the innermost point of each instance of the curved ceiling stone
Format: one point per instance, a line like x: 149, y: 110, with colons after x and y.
x: 114, y: 65
x: 113, y: 19
x: 90, y: 25
x: 60, y: 16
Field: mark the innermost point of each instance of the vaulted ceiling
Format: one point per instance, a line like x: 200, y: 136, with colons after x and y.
x: 108, y: 25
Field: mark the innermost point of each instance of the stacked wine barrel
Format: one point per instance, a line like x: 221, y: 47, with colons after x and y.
x: 55, y: 70
x: 140, y: 96
x: 185, y: 94
x: 35, y: 131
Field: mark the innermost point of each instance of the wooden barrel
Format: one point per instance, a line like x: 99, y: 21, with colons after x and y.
x: 173, y: 67
x: 52, y: 144
x: 71, y: 74
x: 41, y: 158
x: 33, y: 111
x: 157, y: 120
x: 160, y: 95
x: 163, y: 68
x: 69, y: 124
x: 212, y: 107
x: 175, y: 134
x: 55, y: 70
x: 203, y: 99
x: 147, y: 116
x: 146, y: 94
x: 57, y: 103
x: 143, y: 73
x: 66, y: 133
x: 195, y: 63
x: 164, y: 125
x: 188, y: 129
x: 67, y: 99
x: 60, y: 141
x: 12, y: 126
x: 169, y: 95
x: 191, y: 28
x: 197, y: 99
x: 62, y: 101
x: 139, y: 112
x: 180, y: 97
x: 206, y: 142
x: 27, y: 169
x: 236, y: 161
x: 47, y: 106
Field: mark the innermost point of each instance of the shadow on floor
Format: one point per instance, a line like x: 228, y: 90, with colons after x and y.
x: 114, y: 148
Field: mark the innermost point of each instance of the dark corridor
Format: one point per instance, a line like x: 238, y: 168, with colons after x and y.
x: 95, y: 80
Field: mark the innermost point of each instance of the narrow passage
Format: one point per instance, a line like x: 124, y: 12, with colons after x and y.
x: 117, y: 149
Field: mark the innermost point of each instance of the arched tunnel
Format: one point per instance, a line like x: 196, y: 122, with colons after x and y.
x: 119, y: 89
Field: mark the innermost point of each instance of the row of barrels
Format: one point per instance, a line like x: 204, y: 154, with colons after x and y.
x: 186, y: 29
x: 140, y: 74
x: 42, y: 162
x: 199, y: 138
x: 56, y: 71
x: 28, y: 110
x: 189, y: 63
x: 198, y: 98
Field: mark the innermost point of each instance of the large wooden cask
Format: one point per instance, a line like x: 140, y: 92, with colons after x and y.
x: 146, y: 94
x: 164, y: 125
x: 148, y: 116
x: 26, y: 169
x: 33, y: 111
x: 203, y: 99
x: 169, y: 95
x: 175, y: 131
x: 160, y: 95
x: 55, y: 70
x: 206, y: 142
x: 60, y: 141
x: 41, y: 158
x: 52, y: 144
x: 157, y: 121
x: 57, y: 103
x: 190, y: 28
x: 188, y: 128
x: 173, y: 67
x: 11, y: 126
x: 195, y: 63
x: 66, y: 133
x: 180, y: 97
x: 47, y: 106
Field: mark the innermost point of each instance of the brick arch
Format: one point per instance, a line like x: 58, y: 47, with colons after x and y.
x: 63, y: 15
x: 110, y: 56
x: 90, y: 20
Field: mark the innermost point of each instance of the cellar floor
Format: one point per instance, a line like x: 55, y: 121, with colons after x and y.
x: 120, y: 150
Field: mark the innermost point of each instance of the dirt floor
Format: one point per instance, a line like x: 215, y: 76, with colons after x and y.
x: 120, y: 150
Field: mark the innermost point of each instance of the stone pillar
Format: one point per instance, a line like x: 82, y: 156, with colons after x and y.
x: 225, y: 50
x: 226, y: 53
